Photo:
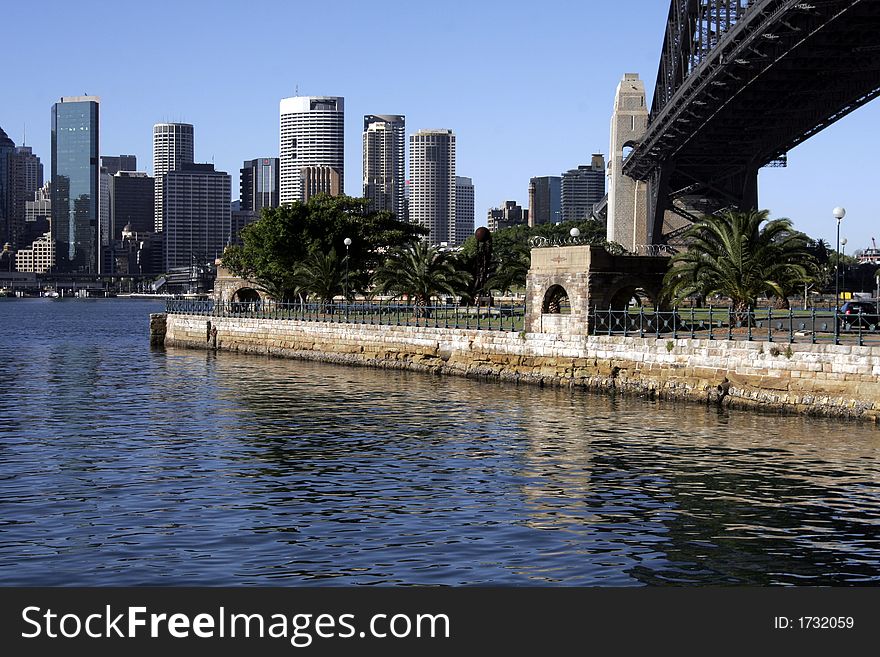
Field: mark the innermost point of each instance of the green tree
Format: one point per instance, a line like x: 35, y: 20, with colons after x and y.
x: 282, y: 238
x: 739, y: 255
x: 511, y: 252
x: 421, y: 272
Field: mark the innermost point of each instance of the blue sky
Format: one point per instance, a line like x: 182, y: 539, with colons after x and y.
x: 527, y: 87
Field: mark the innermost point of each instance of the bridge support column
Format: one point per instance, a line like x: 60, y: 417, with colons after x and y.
x: 627, y: 198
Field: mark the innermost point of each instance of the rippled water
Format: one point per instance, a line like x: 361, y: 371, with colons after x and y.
x: 120, y: 465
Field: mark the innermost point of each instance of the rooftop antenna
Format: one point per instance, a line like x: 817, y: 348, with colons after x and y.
x: 296, y: 90
x: 24, y: 135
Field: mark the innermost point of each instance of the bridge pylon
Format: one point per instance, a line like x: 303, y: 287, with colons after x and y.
x: 627, y: 198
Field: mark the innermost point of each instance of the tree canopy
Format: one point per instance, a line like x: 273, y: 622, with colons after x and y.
x: 740, y: 255
x: 276, y: 247
x: 421, y: 272
x: 511, y: 253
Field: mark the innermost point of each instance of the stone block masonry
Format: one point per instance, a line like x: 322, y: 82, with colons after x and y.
x: 829, y: 380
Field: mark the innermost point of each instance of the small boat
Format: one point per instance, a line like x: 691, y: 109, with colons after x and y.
x: 51, y: 294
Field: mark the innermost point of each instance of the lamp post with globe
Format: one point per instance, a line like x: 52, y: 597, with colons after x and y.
x: 347, y: 242
x: 839, y: 213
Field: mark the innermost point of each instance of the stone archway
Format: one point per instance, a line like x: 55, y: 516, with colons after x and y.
x: 622, y: 289
x: 590, y: 278
x: 556, y: 301
x: 246, y: 294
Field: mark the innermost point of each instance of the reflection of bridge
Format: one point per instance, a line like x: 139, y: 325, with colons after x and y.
x: 740, y: 83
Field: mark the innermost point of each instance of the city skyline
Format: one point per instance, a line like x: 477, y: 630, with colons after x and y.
x: 830, y: 169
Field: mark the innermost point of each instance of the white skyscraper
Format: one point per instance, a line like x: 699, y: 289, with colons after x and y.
x: 385, y: 162
x: 172, y: 148
x: 432, y: 183
x: 312, y: 135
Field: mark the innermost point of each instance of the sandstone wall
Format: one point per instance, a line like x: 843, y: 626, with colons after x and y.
x: 817, y: 379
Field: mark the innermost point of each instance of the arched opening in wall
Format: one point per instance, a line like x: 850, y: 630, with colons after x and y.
x: 245, y: 299
x: 556, y: 301
x: 628, y: 148
x: 632, y: 297
x: 246, y: 294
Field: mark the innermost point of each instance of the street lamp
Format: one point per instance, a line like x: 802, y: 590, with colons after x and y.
x: 839, y: 213
x: 347, y: 242
x: 574, y: 232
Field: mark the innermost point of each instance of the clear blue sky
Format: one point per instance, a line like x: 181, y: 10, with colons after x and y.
x: 526, y: 86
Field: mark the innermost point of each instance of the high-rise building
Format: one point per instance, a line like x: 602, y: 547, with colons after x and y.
x: 312, y: 135
x: 172, y: 148
x: 240, y: 219
x: 319, y: 180
x: 259, y: 184
x: 104, y: 230
x: 132, y: 194
x: 24, y: 178
x: 385, y: 162
x: 510, y: 214
x: 37, y: 214
x: 75, y: 184
x: 116, y: 163
x: 197, y: 215
x: 432, y: 183
x: 38, y: 257
x: 545, y: 200
x: 7, y: 147
x: 582, y: 188
x: 463, y: 225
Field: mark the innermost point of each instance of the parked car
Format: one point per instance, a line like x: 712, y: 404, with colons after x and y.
x: 859, y: 313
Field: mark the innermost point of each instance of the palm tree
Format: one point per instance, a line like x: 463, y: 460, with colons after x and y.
x: 511, y: 271
x: 420, y: 272
x: 320, y: 275
x: 739, y: 256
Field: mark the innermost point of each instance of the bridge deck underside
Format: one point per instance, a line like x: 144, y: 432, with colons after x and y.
x: 783, y: 73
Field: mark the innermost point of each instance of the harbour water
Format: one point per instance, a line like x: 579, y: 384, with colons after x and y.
x: 125, y: 466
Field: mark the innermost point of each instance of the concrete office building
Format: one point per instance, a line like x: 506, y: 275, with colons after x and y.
x: 319, y: 180
x: 7, y: 147
x: 312, y: 135
x: 75, y: 184
x: 385, y: 162
x: 173, y: 147
x: 116, y: 163
x: 432, y: 184
x: 463, y: 224
x: 132, y: 196
x: 509, y: 214
x: 104, y: 264
x: 258, y: 187
x: 197, y: 215
x: 24, y: 176
x: 545, y: 200
x: 39, y: 257
x: 582, y: 188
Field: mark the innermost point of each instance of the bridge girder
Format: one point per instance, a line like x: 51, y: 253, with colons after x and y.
x: 740, y: 83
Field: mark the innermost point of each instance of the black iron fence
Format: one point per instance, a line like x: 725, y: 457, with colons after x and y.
x: 766, y: 324
x: 498, y: 316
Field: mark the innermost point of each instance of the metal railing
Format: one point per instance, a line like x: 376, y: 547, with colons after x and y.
x: 766, y: 324
x: 499, y: 316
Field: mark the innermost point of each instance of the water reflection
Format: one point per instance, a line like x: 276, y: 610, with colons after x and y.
x: 125, y: 466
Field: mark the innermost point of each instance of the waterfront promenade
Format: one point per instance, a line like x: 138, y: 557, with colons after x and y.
x: 819, y: 379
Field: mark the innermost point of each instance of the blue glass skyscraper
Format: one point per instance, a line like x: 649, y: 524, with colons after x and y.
x: 75, y: 169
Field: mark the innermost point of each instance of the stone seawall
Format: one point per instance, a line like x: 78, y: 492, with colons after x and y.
x: 831, y: 380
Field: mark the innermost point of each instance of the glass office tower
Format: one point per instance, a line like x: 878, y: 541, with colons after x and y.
x: 75, y: 168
